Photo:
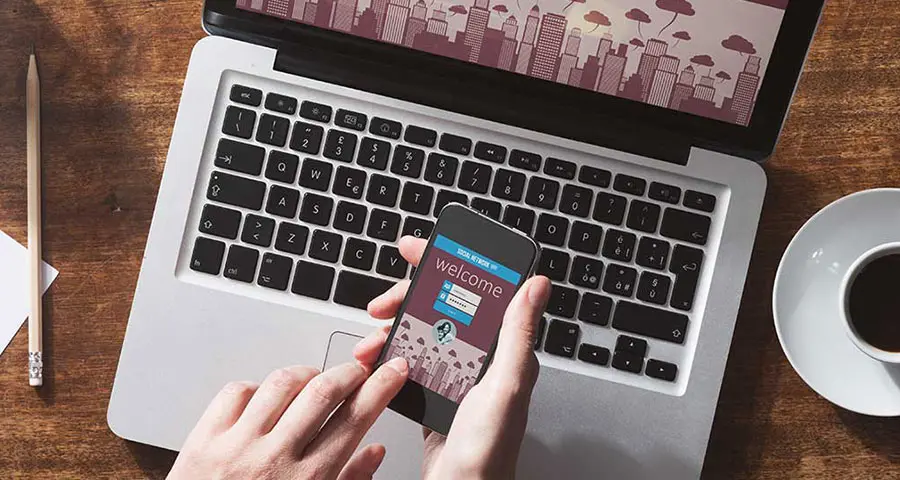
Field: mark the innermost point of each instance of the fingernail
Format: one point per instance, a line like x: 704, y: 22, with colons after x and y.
x: 398, y: 364
x: 538, y: 291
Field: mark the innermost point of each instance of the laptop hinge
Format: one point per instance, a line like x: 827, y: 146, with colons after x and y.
x: 352, y: 68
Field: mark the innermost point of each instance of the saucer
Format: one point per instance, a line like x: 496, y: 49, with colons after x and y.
x: 806, y: 302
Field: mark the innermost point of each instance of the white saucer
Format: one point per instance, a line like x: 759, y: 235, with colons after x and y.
x: 807, y: 308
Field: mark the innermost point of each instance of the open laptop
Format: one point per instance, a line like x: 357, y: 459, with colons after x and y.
x: 624, y: 136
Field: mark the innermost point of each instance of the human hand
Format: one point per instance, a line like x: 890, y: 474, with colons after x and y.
x: 282, y: 428
x: 487, y: 433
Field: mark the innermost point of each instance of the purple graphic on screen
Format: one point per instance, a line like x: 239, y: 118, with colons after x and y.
x: 660, y: 52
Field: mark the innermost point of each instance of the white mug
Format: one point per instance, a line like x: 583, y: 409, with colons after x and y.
x: 865, y: 259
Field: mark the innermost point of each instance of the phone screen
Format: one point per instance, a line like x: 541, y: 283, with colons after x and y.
x: 452, y: 317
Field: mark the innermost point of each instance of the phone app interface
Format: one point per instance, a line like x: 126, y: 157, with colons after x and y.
x: 452, y: 317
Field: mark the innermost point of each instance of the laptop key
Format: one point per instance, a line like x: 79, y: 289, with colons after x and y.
x: 240, y: 157
x: 553, y: 264
x: 542, y: 325
x: 620, y: 280
x: 441, y: 169
x: 237, y: 191
x: 383, y: 190
x: 307, y: 138
x: 281, y: 103
x: 219, y: 221
x: 628, y: 184
x: 576, y: 201
x: 637, y: 346
x: 291, y: 238
x: 258, y: 230
x: 373, y: 153
x: 661, y: 370
x: 643, y: 216
x: 282, y: 167
x: 315, y: 174
x: 509, y: 185
x: 627, y: 362
x: 685, y: 226
x: 652, y: 253
x: 597, y: 177
x: 653, y: 288
x: 316, y: 209
x: 593, y: 354
x: 610, y: 208
x: 417, y: 198
x: 699, y: 201
x: 586, y: 272
x: 551, y: 229
x: 275, y: 271
x: 350, y: 217
x: 446, y: 197
x: 455, y: 144
x: 357, y: 290
x: 490, y: 152
x: 359, y: 254
x: 391, y: 263
x: 686, y: 263
x: 273, y: 130
x: 417, y: 227
x: 241, y: 263
x: 563, y: 301
x: 542, y: 193
x: 383, y: 225
x: 475, y: 177
x: 207, y: 255
x: 246, y: 95
x: 325, y: 246
x: 650, y: 322
x: 619, y: 245
x: 239, y: 122
x: 340, y: 146
x: 585, y: 238
x: 315, y: 111
x: 486, y: 207
x: 420, y: 136
x: 595, y: 309
x: 560, y: 168
x: 349, y: 182
x: 350, y: 119
x: 525, y: 160
x: 313, y: 280
x: 562, y: 338
x: 385, y: 128
x: 521, y: 219
x: 283, y: 201
x: 407, y: 161
x: 664, y: 193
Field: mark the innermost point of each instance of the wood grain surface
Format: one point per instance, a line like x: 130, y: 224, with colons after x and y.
x: 112, y: 73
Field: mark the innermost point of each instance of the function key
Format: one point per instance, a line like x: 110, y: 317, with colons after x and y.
x: 281, y: 103
x: 699, y: 201
x: 562, y: 337
x: 385, y: 128
x: 525, y: 160
x: 490, y: 152
x: 664, y: 193
x: 456, y: 144
x: 661, y: 370
x: 207, y: 255
x: 350, y: 119
x: 685, y: 226
x: 560, y: 168
x: 593, y: 354
x: 246, y: 95
x: 594, y: 176
x: 420, y: 136
x: 315, y: 111
x: 629, y: 184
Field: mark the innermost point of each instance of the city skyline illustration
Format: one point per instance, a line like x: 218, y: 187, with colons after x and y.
x: 705, y: 57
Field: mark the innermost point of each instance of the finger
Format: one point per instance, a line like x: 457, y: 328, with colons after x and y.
x: 274, y: 395
x: 514, y: 357
x: 312, y: 406
x: 412, y: 249
x: 364, y: 463
x: 385, y: 306
x: 224, y: 410
x: 346, y: 428
x: 367, y: 350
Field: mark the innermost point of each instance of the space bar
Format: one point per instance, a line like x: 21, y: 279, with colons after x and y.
x: 355, y: 290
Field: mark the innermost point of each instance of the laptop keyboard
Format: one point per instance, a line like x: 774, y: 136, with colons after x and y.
x: 310, y: 198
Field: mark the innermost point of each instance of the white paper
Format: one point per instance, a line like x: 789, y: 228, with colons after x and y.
x: 15, y: 287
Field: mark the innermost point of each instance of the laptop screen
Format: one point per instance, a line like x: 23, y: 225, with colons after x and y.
x: 704, y: 57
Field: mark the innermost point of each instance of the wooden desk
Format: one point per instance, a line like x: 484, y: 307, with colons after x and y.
x: 112, y: 73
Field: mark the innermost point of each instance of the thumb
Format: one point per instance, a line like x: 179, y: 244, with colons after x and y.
x: 514, y: 357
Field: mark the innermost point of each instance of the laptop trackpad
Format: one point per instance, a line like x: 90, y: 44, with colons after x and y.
x: 401, y: 437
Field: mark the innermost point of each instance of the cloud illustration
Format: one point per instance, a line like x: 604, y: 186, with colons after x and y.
x: 678, y: 7
x: 723, y: 75
x: 500, y: 8
x: 435, y: 349
x: 405, y: 324
x: 636, y: 42
x: 482, y: 358
x: 404, y: 337
x: 457, y: 9
x: 637, y: 15
x: 471, y: 364
x: 420, y: 341
x: 704, y: 60
x: 457, y: 365
x: 597, y: 18
x: 452, y: 353
x: 682, y: 35
x: 739, y: 44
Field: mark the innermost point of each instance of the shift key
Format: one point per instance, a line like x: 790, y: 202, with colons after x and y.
x: 234, y: 190
x: 650, y: 322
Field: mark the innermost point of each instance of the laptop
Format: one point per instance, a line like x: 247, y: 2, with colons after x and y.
x: 624, y: 136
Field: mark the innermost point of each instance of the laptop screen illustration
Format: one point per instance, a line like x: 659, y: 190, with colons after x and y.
x: 704, y: 57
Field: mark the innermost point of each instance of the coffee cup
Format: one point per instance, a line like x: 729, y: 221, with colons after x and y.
x: 870, y: 302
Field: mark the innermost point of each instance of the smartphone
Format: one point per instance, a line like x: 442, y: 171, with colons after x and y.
x: 449, y: 322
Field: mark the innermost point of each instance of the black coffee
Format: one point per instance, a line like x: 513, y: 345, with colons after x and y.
x: 874, y: 303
